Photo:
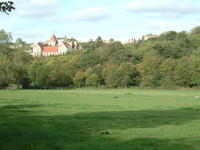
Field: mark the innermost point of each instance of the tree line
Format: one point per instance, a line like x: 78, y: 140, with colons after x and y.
x: 171, y: 60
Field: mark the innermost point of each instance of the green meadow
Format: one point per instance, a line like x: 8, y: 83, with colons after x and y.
x: 78, y: 119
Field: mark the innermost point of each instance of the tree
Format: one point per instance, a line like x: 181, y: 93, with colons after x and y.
x: 168, y: 49
x: 5, y: 37
x: 194, y: 37
x: 187, y: 72
x: 39, y: 73
x: 22, y: 45
x: 126, y: 75
x: 167, y: 70
x: 6, y: 73
x: 87, y: 60
x: 150, y: 70
x: 109, y: 80
x: 183, y: 72
x: 121, y: 76
x: 12, y: 61
x: 60, y: 73
x: 6, y: 56
x: 92, y: 45
x: 169, y: 35
x: 112, y: 52
x: 112, y: 40
x: 195, y: 71
x: 19, y: 61
x: 98, y: 71
x: 6, y: 6
x: 79, y: 79
x: 92, y: 80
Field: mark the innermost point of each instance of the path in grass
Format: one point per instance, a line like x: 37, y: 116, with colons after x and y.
x: 74, y: 119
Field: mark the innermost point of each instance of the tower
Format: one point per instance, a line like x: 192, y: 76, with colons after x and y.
x: 53, y: 41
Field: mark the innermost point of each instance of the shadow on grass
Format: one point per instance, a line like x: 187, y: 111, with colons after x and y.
x: 21, y: 106
x: 24, y: 130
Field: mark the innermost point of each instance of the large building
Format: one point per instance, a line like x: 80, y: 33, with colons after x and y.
x: 146, y: 37
x: 53, y: 46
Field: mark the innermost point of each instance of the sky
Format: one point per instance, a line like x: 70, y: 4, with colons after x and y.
x: 37, y: 20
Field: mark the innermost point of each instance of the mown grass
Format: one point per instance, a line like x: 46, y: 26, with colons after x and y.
x: 74, y: 119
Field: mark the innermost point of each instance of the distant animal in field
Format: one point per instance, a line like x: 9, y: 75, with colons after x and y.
x: 106, y: 132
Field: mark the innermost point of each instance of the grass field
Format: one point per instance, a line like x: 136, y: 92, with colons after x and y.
x: 75, y: 119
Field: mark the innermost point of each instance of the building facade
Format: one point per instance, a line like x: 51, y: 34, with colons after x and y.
x: 53, y: 46
x: 146, y: 37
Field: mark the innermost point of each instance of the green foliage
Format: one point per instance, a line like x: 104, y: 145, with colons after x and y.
x: 125, y: 75
x: 168, y: 61
x: 51, y: 72
x: 60, y: 73
x: 169, y: 35
x: 195, y: 71
x: 168, y: 68
x: 116, y: 52
x: 150, y: 70
x: 108, y: 74
x: 183, y: 72
x: 71, y: 40
x: 6, y: 6
x: 196, y: 31
x: 22, y: 45
x: 98, y: 71
x: 5, y: 37
x: 13, y: 58
x: 92, y: 45
x: 87, y: 60
x: 134, y: 52
x: 39, y: 73
x: 169, y: 49
x: 188, y: 72
x: 79, y: 79
x: 6, y: 72
x: 92, y: 80
x: 194, y: 37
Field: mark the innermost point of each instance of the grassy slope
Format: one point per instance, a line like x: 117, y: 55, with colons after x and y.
x: 74, y: 120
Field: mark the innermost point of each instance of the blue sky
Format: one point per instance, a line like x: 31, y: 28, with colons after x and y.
x: 36, y: 20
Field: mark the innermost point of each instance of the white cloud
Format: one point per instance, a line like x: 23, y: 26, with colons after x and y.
x: 28, y: 35
x: 34, y: 35
x: 36, y: 8
x: 91, y: 14
x: 42, y: 3
x: 168, y: 7
x: 162, y: 26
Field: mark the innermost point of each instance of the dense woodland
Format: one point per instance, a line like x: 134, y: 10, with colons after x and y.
x: 171, y: 60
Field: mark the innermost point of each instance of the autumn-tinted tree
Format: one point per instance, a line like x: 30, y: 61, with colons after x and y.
x: 79, y: 79
x: 92, y: 80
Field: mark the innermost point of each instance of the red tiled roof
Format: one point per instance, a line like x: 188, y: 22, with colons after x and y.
x: 53, y: 38
x: 50, y: 49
